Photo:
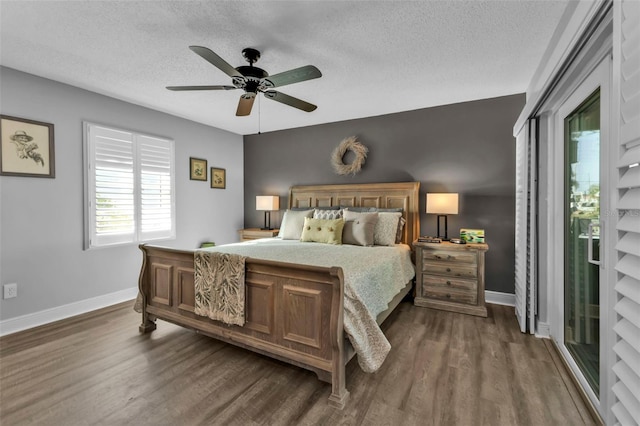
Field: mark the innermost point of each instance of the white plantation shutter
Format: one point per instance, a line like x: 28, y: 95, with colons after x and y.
x: 157, y: 216
x: 129, y: 187
x: 626, y: 77
x: 521, y: 229
x: 112, y: 178
x: 532, y: 227
x: 525, y: 261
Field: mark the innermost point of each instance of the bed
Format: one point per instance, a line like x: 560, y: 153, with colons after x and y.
x: 294, y: 312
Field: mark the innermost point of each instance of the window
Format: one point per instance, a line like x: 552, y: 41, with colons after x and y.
x: 129, y: 187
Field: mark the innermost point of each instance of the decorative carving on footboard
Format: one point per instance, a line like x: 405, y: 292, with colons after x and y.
x: 294, y: 313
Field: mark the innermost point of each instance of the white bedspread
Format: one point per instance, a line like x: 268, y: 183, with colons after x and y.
x: 372, y: 276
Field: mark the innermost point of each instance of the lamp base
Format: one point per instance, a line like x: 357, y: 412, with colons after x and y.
x: 267, y: 222
x: 445, y: 237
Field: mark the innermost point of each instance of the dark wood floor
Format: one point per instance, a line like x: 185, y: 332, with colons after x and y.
x: 443, y: 369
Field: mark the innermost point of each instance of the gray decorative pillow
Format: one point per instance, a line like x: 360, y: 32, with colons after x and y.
x: 327, y: 214
x: 358, y: 228
x: 320, y: 207
x: 292, y: 223
x: 386, y: 229
x: 360, y: 209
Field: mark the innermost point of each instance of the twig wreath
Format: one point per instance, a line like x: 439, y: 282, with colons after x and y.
x: 349, y: 144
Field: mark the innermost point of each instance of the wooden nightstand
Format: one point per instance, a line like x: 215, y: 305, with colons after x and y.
x: 255, y: 233
x: 451, y: 277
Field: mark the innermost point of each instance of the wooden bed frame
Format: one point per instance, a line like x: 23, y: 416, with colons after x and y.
x: 293, y: 313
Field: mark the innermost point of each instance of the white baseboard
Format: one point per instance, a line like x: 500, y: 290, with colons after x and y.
x: 24, y: 322
x: 543, y: 330
x: 498, y: 298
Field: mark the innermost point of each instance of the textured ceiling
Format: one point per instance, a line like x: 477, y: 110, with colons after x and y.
x: 376, y: 57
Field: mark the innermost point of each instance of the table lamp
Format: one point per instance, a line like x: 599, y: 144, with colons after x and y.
x: 442, y: 204
x: 268, y: 203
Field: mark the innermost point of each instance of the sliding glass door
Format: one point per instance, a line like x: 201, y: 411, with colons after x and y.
x: 582, y: 237
x: 580, y: 155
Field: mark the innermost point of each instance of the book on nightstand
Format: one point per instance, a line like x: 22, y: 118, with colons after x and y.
x: 429, y: 240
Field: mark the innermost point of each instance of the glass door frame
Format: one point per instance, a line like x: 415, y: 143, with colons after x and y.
x: 580, y: 252
x: 599, y: 77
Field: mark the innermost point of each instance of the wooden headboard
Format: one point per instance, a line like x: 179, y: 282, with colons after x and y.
x: 381, y: 195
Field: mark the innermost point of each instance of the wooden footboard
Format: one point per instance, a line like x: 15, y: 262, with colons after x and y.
x: 294, y: 313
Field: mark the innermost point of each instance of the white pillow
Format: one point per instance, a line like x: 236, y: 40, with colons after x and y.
x: 292, y: 223
x: 384, y: 234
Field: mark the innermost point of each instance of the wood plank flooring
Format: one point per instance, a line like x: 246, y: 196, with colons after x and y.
x: 443, y: 369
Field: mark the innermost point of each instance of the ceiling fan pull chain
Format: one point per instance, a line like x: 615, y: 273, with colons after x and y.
x: 259, y: 114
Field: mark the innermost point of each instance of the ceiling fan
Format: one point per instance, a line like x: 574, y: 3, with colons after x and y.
x: 254, y: 80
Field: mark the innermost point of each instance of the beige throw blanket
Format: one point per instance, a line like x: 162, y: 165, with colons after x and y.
x: 219, y: 286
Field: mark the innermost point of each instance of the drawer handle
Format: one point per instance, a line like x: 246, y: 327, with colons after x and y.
x: 448, y: 269
x: 448, y: 282
x: 438, y: 256
x: 448, y: 296
x: 451, y: 257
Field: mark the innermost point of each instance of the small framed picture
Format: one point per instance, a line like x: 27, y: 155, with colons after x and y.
x: 218, y: 178
x: 197, y: 169
x: 26, y: 148
x: 472, y: 236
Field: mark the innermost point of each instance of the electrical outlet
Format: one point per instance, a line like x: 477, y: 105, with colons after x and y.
x: 10, y: 290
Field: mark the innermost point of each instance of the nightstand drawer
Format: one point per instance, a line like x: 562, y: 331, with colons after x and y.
x: 433, y: 281
x: 450, y: 270
x: 451, y: 295
x: 255, y: 233
x: 448, y: 256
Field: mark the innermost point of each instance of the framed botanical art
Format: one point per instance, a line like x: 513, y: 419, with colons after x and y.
x: 197, y: 169
x: 26, y: 148
x: 218, y: 178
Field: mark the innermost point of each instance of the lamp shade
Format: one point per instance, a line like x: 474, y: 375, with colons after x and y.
x: 442, y: 203
x: 267, y: 202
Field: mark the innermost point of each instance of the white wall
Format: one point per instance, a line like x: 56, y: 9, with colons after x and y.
x: 41, y: 220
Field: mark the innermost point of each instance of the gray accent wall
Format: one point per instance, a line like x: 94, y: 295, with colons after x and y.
x: 41, y: 220
x: 466, y: 148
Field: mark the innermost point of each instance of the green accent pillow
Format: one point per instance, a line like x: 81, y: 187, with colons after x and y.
x: 322, y: 230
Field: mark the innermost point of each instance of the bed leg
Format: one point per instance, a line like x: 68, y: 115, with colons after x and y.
x: 147, y: 327
x: 148, y: 322
x: 339, y: 393
x: 339, y: 400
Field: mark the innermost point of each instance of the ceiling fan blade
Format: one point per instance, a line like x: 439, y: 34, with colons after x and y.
x: 180, y: 88
x: 308, y: 72
x: 245, y: 104
x: 289, y: 100
x: 216, y: 61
